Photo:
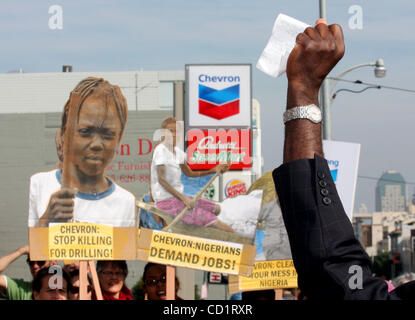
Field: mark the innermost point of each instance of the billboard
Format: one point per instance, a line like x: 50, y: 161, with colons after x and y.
x: 343, y: 161
x: 208, y: 148
x: 218, y: 95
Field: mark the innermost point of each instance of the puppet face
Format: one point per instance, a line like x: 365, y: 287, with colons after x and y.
x: 96, y: 136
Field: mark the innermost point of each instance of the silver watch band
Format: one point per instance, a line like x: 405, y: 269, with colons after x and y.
x: 310, y: 112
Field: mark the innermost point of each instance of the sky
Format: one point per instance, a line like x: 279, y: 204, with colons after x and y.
x: 166, y: 35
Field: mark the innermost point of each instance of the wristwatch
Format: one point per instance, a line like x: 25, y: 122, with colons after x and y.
x: 310, y: 112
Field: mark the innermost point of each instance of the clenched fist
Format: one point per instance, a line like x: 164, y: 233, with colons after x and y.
x: 316, y: 52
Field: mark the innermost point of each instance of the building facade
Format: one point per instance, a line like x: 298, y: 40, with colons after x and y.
x: 391, y: 192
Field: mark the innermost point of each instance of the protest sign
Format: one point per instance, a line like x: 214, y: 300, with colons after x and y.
x: 343, y: 161
x: 82, y: 241
x: 196, y: 253
x: 273, y: 274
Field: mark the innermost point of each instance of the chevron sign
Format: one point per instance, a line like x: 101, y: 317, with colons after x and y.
x: 218, y: 104
x: 218, y: 96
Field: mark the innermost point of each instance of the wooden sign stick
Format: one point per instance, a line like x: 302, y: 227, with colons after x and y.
x: 83, y: 279
x: 278, y: 294
x: 68, y: 156
x: 68, y: 182
x: 197, y: 196
x: 170, y: 283
x: 95, y: 280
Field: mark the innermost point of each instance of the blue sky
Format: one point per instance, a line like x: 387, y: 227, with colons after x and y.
x: 166, y: 35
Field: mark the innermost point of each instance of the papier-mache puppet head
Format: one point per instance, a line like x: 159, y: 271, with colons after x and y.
x: 93, y: 124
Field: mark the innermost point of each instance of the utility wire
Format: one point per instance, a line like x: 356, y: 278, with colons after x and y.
x: 371, y: 84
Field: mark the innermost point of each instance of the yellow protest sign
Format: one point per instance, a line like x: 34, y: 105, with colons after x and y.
x: 82, y: 241
x: 197, y: 253
x: 273, y: 274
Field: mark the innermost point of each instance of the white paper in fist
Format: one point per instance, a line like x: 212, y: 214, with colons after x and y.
x: 273, y: 60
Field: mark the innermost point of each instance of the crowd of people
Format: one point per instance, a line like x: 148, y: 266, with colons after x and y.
x: 111, y: 276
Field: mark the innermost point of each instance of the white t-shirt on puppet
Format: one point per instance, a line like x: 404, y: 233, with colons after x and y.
x: 163, y: 156
x: 113, y: 207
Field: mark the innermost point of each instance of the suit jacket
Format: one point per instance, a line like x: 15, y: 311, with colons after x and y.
x: 330, y: 261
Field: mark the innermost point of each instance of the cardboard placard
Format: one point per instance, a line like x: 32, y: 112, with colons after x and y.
x: 272, y: 274
x: 82, y: 241
x: 195, y: 253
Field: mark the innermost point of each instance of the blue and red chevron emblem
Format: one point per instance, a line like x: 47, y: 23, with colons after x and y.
x: 218, y: 104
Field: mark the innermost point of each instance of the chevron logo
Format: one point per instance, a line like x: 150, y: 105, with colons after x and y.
x: 219, y: 104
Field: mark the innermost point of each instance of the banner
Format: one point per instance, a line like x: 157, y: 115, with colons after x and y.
x: 82, y: 241
x: 343, y: 161
x: 196, y: 253
x: 275, y: 274
x: 208, y: 148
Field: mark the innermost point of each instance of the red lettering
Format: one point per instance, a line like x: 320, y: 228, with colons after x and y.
x: 128, y: 149
x: 140, y: 143
x: 122, y: 150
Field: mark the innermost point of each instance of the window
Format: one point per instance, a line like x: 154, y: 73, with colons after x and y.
x: 166, y: 95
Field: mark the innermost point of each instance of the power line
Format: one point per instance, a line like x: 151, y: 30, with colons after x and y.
x: 371, y: 84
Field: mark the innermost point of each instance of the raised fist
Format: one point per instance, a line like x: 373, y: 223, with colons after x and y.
x: 316, y: 52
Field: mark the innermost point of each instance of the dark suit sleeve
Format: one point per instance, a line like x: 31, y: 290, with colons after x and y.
x: 324, y: 248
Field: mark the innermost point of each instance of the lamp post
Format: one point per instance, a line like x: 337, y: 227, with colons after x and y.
x: 380, y: 71
x: 329, y: 84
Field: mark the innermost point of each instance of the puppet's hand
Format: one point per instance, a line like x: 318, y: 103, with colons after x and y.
x: 223, y: 167
x: 189, y: 202
x: 60, y: 207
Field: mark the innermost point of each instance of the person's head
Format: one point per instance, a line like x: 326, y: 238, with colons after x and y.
x: 70, y: 267
x: 46, y: 288
x: 171, y: 125
x: 36, y: 266
x: 112, y: 275
x: 97, y: 113
x: 74, y: 290
x: 154, y: 281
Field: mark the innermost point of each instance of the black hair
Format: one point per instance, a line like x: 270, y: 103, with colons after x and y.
x: 37, y: 281
x: 75, y: 273
x: 147, y: 267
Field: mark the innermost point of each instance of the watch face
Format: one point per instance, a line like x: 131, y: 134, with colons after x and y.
x: 315, y: 114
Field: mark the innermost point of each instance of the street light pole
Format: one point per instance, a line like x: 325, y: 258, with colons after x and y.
x: 325, y: 90
x: 380, y: 71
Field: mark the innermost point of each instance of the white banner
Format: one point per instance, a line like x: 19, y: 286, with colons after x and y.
x: 343, y: 160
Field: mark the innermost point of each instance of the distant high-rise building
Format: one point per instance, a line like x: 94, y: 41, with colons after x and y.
x: 391, y: 192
